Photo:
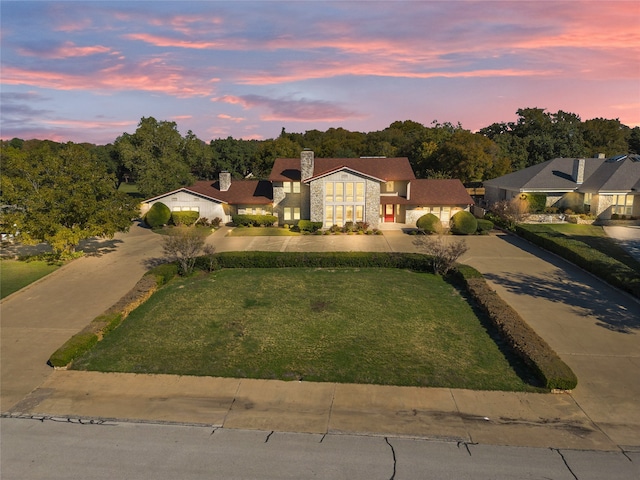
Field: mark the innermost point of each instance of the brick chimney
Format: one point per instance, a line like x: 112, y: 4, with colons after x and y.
x: 306, y: 164
x: 225, y: 181
x: 578, y: 170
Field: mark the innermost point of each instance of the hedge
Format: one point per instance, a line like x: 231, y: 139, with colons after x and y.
x: 521, y: 338
x: 187, y: 218
x: 158, y: 215
x: 84, y: 340
x: 609, y: 269
x: 309, y: 226
x: 253, y: 220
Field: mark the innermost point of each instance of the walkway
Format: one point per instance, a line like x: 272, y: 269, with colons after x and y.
x: 592, y: 326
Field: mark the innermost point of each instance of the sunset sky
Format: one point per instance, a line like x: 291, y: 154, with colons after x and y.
x: 87, y: 71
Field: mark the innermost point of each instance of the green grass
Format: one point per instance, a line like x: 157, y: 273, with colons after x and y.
x: 374, y: 326
x: 261, y: 232
x: 17, y: 274
x: 596, y: 238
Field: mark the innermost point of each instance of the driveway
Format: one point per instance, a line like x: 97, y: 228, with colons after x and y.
x: 592, y: 326
x: 627, y: 237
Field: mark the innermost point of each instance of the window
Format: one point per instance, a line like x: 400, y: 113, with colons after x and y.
x: 389, y: 187
x: 339, y: 195
x: 622, y: 204
x: 348, y: 213
x: 339, y: 215
x: 587, y: 198
x: 296, y: 187
x: 360, y: 192
x: 329, y: 192
x: 359, y: 213
x: 328, y: 216
x: 287, y: 213
x: 348, y: 196
x: 296, y: 213
x: 291, y: 213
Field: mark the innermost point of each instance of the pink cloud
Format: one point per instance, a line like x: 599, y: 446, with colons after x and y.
x: 224, y: 116
x: 299, y: 110
x: 150, y: 76
x: 67, y: 49
x: 160, y: 41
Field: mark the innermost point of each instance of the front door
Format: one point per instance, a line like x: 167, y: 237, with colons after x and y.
x: 388, y: 213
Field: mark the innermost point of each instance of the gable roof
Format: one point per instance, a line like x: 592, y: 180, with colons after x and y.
x: 438, y: 192
x: 342, y: 169
x: 617, y: 174
x: 387, y: 169
x: 552, y: 175
x: 251, y: 192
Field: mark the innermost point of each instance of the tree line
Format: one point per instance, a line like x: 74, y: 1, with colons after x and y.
x: 46, y: 185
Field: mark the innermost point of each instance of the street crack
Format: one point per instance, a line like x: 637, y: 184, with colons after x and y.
x: 393, y: 454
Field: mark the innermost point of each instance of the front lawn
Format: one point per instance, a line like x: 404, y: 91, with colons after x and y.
x: 376, y: 326
x: 17, y: 274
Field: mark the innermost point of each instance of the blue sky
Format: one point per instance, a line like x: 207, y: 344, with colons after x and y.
x: 89, y: 70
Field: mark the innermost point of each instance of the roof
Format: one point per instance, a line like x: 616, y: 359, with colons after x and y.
x: 438, y: 192
x: 617, y: 174
x: 387, y: 169
x: 342, y: 168
x: 252, y: 192
x: 552, y: 175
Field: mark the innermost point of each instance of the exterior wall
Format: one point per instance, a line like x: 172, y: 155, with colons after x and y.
x: 188, y: 201
x: 496, y: 194
x: 370, y: 203
x: 282, y: 200
x: 572, y: 200
x: 443, y: 213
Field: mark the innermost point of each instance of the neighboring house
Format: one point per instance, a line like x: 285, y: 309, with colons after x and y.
x: 600, y: 186
x: 375, y: 190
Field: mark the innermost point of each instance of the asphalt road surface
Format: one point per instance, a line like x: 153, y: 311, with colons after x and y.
x: 60, y: 448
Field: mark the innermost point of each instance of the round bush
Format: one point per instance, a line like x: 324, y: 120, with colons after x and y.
x: 484, y: 226
x: 429, y: 223
x: 158, y: 215
x: 463, y: 223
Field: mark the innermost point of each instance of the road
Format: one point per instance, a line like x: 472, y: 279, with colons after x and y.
x: 54, y: 448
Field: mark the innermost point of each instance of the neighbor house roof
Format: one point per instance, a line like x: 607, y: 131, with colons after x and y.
x: 552, y: 175
x: 438, y: 192
x: 243, y: 192
x: 617, y: 174
x: 388, y: 169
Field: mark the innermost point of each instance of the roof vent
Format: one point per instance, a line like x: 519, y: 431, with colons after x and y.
x: 617, y: 158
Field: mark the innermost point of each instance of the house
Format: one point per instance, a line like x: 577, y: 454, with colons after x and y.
x: 375, y: 190
x: 600, y: 186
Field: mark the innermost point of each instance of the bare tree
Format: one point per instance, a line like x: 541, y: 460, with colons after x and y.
x: 444, y: 251
x: 184, y: 245
x: 511, y: 211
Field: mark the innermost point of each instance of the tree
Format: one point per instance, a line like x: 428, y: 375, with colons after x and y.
x: 445, y: 252
x: 469, y: 157
x: 609, y: 137
x: 155, y: 156
x: 61, y: 196
x: 184, y: 245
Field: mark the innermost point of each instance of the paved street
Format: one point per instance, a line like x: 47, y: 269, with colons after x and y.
x: 592, y: 326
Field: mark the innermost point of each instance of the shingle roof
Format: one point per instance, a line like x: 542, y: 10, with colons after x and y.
x: 252, y: 192
x: 388, y: 169
x: 438, y: 192
x: 556, y: 174
x: 614, y: 175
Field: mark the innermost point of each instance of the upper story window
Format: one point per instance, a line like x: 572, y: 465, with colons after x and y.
x: 291, y: 187
x: 389, y: 187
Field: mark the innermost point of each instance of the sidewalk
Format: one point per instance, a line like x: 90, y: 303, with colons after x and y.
x: 591, y: 325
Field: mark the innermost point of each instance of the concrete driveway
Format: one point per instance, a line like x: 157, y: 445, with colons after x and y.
x: 592, y: 326
x: 627, y: 237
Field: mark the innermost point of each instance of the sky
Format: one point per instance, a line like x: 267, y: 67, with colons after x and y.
x: 87, y: 71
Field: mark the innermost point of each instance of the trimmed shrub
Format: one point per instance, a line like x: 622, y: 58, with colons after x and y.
x: 609, y: 269
x: 164, y: 273
x: 253, y: 220
x: 484, y: 226
x: 76, y: 346
x: 429, y: 223
x: 537, y: 202
x: 309, y: 226
x: 521, y: 338
x: 158, y: 215
x: 184, y: 218
x: 463, y: 223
